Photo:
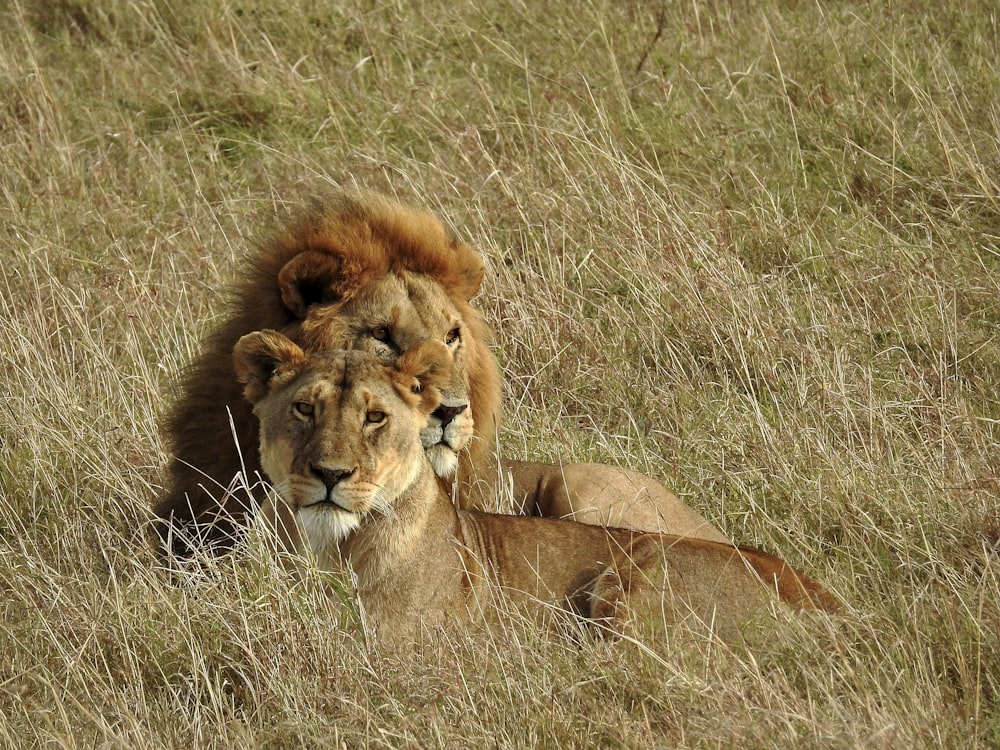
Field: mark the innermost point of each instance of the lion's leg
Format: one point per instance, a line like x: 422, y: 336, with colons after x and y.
x: 605, y: 496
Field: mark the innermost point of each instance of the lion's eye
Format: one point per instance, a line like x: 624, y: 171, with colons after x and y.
x: 303, y: 408
x: 381, y: 333
x: 375, y: 417
x: 453, y: 336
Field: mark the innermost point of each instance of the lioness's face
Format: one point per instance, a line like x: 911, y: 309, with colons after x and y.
x: 389, y: 316
x: 339, y: 431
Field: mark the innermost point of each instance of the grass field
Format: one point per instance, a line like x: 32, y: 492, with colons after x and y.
x: 750, y: 249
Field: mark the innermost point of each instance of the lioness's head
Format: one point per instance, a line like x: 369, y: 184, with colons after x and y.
x: 339, y: 431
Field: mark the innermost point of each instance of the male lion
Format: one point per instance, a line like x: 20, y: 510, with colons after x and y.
x: 340, y: 440
x: 362, y: 272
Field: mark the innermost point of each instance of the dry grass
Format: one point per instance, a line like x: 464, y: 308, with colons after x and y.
x: 752, y: 249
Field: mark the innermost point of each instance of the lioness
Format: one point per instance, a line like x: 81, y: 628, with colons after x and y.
x: 340, y: 440
x: 362, y: 272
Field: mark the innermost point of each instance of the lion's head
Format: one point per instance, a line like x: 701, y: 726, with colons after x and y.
x: 339, y: 431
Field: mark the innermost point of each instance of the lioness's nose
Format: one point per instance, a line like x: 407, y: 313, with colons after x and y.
x: 448, y: 413
x: 331, y: 477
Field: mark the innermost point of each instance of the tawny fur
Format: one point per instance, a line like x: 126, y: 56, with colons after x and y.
x: 418, y: 560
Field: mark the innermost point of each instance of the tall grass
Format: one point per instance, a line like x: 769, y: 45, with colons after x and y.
x: 751, y: 249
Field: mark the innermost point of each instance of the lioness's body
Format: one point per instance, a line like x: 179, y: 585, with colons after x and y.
x: 454, y: 565
x: 340, y: 439
x: 366, y: 273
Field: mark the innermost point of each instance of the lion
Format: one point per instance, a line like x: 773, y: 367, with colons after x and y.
x: 361, y: 272
x: 340, y: 439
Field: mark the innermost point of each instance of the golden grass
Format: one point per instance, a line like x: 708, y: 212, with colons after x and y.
x: 752, y: 249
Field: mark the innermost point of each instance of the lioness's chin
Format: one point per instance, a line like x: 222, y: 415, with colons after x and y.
x: 326, y: 527
x: 443, y: 460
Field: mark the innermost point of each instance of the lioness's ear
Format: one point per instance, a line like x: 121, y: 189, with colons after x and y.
x: 420, y: 373
x: 263, y: 359
x: 316, y: 278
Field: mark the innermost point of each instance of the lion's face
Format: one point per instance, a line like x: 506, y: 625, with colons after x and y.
x: 389, y: 316
x: 339, y: 431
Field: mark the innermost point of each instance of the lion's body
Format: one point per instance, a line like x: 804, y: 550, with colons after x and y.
x: 369, y: 274
x: 603, y: 495
x: 355, y: 489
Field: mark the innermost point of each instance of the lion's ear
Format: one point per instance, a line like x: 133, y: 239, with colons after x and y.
x: 315, y: 278
x: 470, y: 271
x: 264, y: 358
x: 420, y: 373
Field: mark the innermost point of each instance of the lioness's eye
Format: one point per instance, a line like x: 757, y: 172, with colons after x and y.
x: 374, y: 417
x: 453, y: 335
x: 303, y: 408
x: 380, y: 333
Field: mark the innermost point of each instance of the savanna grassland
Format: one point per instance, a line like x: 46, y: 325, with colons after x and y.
x: 749, y: 248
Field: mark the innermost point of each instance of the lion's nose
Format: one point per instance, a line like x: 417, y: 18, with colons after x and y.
x: 447, y: 413
x: 331, y: 477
